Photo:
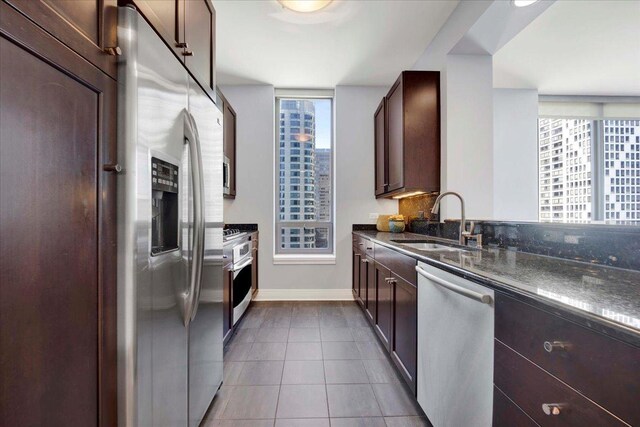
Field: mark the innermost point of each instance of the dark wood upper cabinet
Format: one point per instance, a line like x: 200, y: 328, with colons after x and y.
x: 87, y: 27
x: 229, y: 144
x: 188, y: 27
x: 412, y: 161
x: 199, y: 35
x: 381, y: 148
x: 58, y: 344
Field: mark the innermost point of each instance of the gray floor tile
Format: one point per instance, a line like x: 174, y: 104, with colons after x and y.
x: 237, y: 351
x: 333, y: 321
x: 302, y: 422
x: 358, y: 422
x: 232, y: 372
x: 345, y: 372
x: 336, y: 334
x: 252, y: 402
x: 261, y: 373
x: 245, y: 335
x: 272, y: 335
x: 304, y: 351
x: 276, y: 322
x: 304, y: 334
x: 303, y: 372
x: 241, y: 423
x: 357, y: 320
x: 352, y: 400
x: 252, y: 320
x: 395, y: 400
x: 407, y: 422
x: 305, y: 321
x: 380, y: 371
x: 302, y: 401
x: 267, y: 351
x: 370, y: 350
x: 333, y: 350
x: 363, y: 334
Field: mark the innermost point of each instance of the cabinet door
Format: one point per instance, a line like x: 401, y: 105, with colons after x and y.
x: 405, y: 328
x: 58, y: 234
x: 230, y: 145
x: 381, y: 149
x: 199, y: 34
x: 355, y: 280
x: 371, y: 290
x: 362, y: 288
x: 395, y: 135
x: 87, y: 27
x: 383, y: 304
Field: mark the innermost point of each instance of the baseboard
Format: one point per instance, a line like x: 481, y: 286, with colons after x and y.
x: 304, y: 295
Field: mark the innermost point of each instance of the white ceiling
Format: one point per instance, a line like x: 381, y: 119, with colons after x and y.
x: 576, y: 48
x: 354, y: 42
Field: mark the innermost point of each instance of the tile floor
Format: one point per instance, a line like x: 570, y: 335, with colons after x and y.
x: 310, y: 364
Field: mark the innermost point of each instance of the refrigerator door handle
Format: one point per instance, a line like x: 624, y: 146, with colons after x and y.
x: 191, y: 137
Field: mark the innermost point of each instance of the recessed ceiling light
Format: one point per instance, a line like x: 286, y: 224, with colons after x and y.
x: 305, y: 6
x: 523, y: 3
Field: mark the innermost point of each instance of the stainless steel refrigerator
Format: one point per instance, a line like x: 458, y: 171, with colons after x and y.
x: 170, y: 235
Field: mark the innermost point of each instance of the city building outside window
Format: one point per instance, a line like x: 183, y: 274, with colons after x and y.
x: 588, y: 169
x: 304, y: 156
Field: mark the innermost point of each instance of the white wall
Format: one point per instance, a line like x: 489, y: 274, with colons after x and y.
x: 254, y: 203
x: 467, y: 150
x: 515, y: 190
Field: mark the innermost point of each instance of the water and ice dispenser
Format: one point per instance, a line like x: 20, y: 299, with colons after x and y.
x: 164, y: 223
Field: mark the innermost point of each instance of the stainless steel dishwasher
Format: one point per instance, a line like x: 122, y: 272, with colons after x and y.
x: 455, y: 349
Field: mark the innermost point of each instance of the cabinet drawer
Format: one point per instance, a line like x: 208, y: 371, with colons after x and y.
x: 596, y: 365
x: 507, y: 414
x: 402, y: 265
x: 531, y: 388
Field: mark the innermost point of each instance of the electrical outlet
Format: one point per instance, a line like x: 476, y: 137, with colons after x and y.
x: 373, y: 216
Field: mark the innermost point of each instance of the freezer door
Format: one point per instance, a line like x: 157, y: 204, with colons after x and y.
x: 152, y: 289
x: 205, y: 330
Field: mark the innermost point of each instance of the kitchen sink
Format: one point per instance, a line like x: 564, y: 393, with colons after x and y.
x: 429, y: 246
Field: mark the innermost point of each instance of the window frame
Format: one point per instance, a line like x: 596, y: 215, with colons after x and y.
x: 303, y: 255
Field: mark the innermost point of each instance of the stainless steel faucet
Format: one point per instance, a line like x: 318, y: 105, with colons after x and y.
x: 463, y: 225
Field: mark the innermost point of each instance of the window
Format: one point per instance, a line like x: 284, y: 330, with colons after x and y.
x: 591, y: 170
x: 308, y: 152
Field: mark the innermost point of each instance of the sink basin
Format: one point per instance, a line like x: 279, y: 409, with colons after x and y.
x: 428, y: 245
x: 432, y: 247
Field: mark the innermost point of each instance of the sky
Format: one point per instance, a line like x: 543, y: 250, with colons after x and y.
x: 323, y: 122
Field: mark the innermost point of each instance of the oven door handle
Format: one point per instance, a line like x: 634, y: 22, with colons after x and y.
x: 243, y: 264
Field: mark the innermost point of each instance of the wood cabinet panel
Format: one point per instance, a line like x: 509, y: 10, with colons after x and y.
x: 230, y: 145
x: 401, y: 265
x: 355, y: 271
x: 595, y: 364
x: 58, y: 235
x: 372, y: 294
x: 166, y: 17
x: 395, y: 135
x: 507, y: 414
x: 405, y: 328
x: 530, y: 388
x: 362, y: 283
x: 88, y: 27
x: 383, y: 304
x: 199, y: 34
x: 381, y: 148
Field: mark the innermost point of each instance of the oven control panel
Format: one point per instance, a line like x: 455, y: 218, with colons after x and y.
x: 164, y: 176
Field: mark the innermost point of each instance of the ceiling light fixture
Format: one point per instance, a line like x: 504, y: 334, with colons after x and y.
x: 305, y: 6
x: 523, y: 3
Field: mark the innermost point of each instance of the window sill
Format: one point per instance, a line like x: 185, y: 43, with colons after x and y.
x: 305, y: 259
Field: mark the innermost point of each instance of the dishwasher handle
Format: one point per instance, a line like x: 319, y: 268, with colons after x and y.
x: 477, y: 296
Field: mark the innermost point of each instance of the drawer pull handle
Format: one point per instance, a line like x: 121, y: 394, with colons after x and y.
x: 369, y: 248
x: 552, y: 408
x: 556, y: 345
x: 364, y: 261
x: 361, y: 244
x: 390, y: 280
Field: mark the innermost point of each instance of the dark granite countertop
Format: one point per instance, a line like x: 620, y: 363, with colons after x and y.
x: 602, y: 298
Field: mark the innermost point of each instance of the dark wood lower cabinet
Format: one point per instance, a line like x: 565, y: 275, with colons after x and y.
x: 362, y: 283
x: 384, y: 302
x: 57, y: 232
x: 372, y: 294
x: 405, y: 335
x: 508, y: 414
x: 355, y: 272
